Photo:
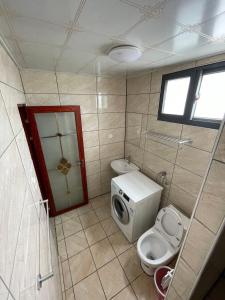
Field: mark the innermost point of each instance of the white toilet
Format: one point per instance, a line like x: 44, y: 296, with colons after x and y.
x: 158, y: 245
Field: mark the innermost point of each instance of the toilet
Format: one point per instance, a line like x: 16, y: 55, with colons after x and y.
x: 158, y: 245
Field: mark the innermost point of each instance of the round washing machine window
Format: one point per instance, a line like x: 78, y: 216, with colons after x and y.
x: 120, y: 209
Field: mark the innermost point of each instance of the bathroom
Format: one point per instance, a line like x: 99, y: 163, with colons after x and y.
x: 101, y: 107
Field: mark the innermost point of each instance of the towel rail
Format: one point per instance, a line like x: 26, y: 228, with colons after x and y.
x: 168, y: 138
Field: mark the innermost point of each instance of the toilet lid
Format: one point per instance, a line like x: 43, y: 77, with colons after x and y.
x: 169, y: 224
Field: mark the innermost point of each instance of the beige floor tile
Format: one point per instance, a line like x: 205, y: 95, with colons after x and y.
x: 103, y: 212
x: 113, y: 278
x: 69, y: 294
x: 102, y: 253
x: 84, y: 209
x: 119, y: 242
x: 131, y: 263
x: 144, y: 288
x: 109, y: 226
x: 66, y: 275
x: 69, y: 215
x: 126, y: 294
x: 88, y: 219
x: 81, y: 265
x: 89, y: 288
x: 94, y: 234
x: 76, y: 243
x: 62, y: 250
x: 59, y: 232
x: 71, y: 226
x: 100, y: 201
x: 58, y: 220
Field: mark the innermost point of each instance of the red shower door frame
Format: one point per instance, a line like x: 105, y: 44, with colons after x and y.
x: 31, y: 110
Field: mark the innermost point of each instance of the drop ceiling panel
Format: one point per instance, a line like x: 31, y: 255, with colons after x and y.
x: 110, y: 17
x: 215, y: 27
x: 55, y: 11
x: 101, y: 65
x: 32, y: 30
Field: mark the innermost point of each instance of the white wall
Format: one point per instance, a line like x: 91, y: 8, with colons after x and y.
x: 19, y: 191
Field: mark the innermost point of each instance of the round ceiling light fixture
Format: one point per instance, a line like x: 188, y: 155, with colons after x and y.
x: 125, y: 53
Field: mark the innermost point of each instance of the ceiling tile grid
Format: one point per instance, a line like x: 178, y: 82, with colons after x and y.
x: 76, y: 35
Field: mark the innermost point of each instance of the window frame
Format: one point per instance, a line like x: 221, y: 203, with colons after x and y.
x: 195, y: 75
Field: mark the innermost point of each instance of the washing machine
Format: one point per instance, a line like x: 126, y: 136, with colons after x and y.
x: 135, y: 202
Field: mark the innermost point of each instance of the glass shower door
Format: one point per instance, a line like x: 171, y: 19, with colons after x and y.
x: 60, y: 139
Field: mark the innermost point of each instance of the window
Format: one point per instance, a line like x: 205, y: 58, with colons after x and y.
x: 195, y: 96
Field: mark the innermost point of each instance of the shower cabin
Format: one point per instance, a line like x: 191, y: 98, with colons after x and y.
x: 54, y: 135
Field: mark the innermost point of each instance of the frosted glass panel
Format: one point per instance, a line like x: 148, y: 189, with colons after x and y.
x: 60, y: 148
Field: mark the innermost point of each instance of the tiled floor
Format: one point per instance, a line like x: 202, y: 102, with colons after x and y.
x: 97, y: 262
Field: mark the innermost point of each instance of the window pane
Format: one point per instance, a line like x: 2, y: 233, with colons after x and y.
x: 175, y: 96
x: 211, y: 104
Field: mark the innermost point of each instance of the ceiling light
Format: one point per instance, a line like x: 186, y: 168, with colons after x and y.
x: 125, y: 53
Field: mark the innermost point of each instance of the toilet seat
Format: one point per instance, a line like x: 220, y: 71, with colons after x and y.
x: 169, y: 224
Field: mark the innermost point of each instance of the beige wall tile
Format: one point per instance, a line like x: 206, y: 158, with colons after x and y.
x: 89, y: 122
x: 42, y: 99
x: 111, y: 120
x: 193, y: 159
x: 87, y: 103
x: 133, y: 135
x: 202, y: 138
x: 197, y: 245
x: 91, y: 154
x: 158, y: 164
x: 39, y: 81
x: 70, y: 83
x: 183, y: 280
x: 93, y: 180
x: 133, y: 119
x: 163, y: 127
x: 136, y: 154
x: 90, y: 139
x: 220, y: 150
x: 156, y: 82
x: 138, y: 85
x: 182, y: 199
x: 138, y: 103
x: 111, y: 103
x: 111, y: 136
x: 111, y: 85
x: 154, y: 104
x: 211, y: 211
x: 164, y: 151
x: 187, y: 181
x: 210, y: 60
x: 108, y: 150
x: 105, y: 162
x: 92, y: 167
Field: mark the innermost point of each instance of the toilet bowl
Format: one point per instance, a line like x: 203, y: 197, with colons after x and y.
x: 158, y: 245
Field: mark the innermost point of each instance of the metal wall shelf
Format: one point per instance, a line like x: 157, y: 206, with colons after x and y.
x: 168, y: 138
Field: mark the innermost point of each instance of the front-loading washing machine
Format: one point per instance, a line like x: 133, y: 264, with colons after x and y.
x: 135, y: 202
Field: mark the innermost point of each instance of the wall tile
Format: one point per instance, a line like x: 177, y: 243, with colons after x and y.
x: 39, y: 81
x: 110, y: 136
x: 138, y: 85
x: 42, y: 99
x: 92, y: 167
x: 105, y: 162
x: 6, y: 134
x: 111, y: 120
x: 89, y: 122
x: 182, y: 199
x: 202, y: 138
x: 111, y: 85
x: 164, y: 151
x: 163, y: 127
x: 133, y: 135
x: 87, y: 103
x: 220, y: 150
x: 156, y: 82
x: 184, y: 279
x: 70, y: 83
x: 154, y: 104
x: 138, y: 103
x: 133, y: 119
x: 109, y: 103
x: 90, y: 139
x: 12, y: 98
x: 197, y: 245
x: 187, y: 181
x: 135, y: 153
x: 91, y: 154
x: 107, y: 150
x: 193, y: 159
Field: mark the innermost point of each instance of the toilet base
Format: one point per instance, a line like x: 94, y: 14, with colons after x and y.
x: 147, y: 269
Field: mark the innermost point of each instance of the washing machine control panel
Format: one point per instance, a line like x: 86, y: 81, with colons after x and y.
x: 124, y: 195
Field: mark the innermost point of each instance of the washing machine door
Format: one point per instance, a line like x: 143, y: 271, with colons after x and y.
x: 120, y: 209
